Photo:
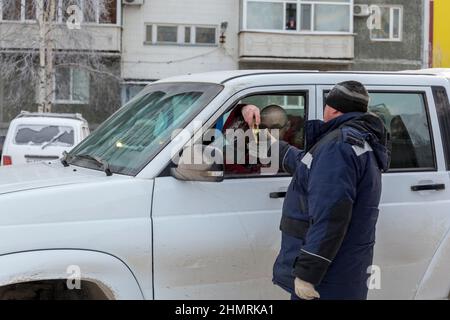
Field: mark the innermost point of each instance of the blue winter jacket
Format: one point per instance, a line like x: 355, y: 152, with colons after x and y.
x: 331, y: 206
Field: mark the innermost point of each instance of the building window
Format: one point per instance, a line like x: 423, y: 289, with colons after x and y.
x: 109, y: 14
x: 391, y: 27
x: 291, y: 16
x: 11, y: 10
x: 205, y: 35
x: 180, y: 34
x: 332, y: 16
x: 149, y: 33
x: 71, y: 86
x: 92, y: 11
x: 25, y: 10
x: 166, y: 34
x: 187, y: 34
x: 30, y: 10
x: 130, y: 90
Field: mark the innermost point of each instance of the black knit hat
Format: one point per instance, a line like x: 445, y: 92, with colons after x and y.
x: 348, y: 96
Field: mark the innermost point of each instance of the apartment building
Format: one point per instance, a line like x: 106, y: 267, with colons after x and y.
x: 141, y: 41
x: 163, y: 38
x: 167, y: 37
x: 80, y: 84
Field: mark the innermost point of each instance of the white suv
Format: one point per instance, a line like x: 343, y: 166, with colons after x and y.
x: 36, y: 137
x: 117, y: 215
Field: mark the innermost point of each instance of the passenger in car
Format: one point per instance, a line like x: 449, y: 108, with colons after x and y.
x: 403, y: 154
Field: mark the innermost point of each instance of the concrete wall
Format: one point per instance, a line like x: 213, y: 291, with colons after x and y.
x: 377, y: 55
x: 149, y: 62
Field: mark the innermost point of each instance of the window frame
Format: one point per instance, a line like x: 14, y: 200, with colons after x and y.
x: 22, y: 14
x: 309, y: 93
x: 155, y: 28
x: 391, y: 25
x: 306, y: 93
x: 230, y: 103
x: 313, y: 3
x: 181, y: 29
x: 31, y: 125
x: 60, y: 14
x: 71, y: 90
x: 401, y: 90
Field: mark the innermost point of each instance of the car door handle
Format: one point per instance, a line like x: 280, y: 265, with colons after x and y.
x: 427, y: 187
x: 277, y: 195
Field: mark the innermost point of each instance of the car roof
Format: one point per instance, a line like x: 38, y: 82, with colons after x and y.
x: 50, y: 115
x: 293, y: 77
x: 445, y: 72
x: 221, y: 77
x: 50, y: 121
x: 38, y: 118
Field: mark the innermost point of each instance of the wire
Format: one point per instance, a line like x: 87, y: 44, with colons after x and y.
x: 183, y: 59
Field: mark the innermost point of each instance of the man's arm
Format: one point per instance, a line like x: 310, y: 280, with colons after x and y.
x: 331, y: 193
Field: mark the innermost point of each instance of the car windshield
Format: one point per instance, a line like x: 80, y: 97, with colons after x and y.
x: 39, y: 135
x: 132, y: 136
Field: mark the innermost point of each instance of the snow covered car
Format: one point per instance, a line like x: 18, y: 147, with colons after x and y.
x: 118, y: 215
x: 36, y: 137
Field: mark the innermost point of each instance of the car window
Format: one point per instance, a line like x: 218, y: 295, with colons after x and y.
x: 443, y: 111
x: 130, y: 138
x: 291, y: 111
x: 38, y: 135
x: 406, y: 119
x: 294, y: 106
x: 85, y: 131
x: 405, y: 116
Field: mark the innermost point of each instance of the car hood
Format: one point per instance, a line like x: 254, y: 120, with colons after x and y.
x: 42, y: 175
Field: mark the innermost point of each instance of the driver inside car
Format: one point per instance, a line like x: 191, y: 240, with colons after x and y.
x: 273, y: 117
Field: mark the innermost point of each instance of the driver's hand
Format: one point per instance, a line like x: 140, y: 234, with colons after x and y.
x: 251, y: 115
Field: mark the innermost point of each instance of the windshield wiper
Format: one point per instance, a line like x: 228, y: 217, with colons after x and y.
x: 45, y: 145
x: 104, y: 165
x: 65, y: 159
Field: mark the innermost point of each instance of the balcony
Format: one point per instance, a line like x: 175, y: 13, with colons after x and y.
x: 97, y: 37
x: 257, y: 46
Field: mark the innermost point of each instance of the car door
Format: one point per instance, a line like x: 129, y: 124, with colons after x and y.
x: 219, y: 240
x: 414, y: 215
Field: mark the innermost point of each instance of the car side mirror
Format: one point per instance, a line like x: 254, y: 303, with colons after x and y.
x: 200, y: 163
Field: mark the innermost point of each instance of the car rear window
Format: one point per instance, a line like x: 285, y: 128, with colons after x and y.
x: 38, y: 135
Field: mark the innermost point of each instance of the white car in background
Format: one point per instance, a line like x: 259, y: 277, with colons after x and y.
x: 36, y: 137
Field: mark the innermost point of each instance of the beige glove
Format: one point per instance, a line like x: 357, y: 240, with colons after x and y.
x: 305, y: 290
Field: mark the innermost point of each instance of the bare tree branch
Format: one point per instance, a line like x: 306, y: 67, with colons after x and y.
x: 35, y: 50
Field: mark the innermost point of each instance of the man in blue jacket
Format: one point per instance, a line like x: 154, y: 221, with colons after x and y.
x: 331, y: 206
